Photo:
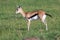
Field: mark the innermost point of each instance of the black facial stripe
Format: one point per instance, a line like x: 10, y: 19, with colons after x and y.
x: 32, y: 16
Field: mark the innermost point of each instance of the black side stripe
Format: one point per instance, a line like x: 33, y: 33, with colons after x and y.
x: 32, y: 16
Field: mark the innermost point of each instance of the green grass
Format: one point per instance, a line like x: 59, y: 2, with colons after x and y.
x: 13, y: 27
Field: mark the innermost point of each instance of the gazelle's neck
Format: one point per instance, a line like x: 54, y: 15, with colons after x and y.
x: 22, y: 12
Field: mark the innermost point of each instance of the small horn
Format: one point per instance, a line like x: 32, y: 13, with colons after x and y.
x: 18, y: 6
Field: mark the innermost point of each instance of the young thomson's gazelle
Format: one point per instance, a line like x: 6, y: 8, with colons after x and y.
x: 40, y: 14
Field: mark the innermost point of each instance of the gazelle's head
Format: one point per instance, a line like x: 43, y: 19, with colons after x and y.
x: 19, y: 10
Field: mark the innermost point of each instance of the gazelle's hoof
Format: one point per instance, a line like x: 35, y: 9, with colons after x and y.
x: 28, y: 30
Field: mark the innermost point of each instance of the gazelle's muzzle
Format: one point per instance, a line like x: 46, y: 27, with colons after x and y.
x: 17, y: 12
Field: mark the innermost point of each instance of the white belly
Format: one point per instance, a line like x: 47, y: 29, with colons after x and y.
x: 34, y: 18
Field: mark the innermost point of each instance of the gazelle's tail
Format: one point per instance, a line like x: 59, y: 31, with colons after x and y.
x: 49, y: 15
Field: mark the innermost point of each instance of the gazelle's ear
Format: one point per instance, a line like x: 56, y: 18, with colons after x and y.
x: 18, y: 6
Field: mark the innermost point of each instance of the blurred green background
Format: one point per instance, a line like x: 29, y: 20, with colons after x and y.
x: 14, y: 27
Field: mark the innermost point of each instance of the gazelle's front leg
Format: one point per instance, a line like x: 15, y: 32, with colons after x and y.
x: 28, y: 24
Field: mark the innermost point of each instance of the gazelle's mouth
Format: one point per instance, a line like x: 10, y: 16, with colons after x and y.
x: 16, y: 12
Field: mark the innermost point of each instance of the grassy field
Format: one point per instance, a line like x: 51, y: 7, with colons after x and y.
x: 13, y: 27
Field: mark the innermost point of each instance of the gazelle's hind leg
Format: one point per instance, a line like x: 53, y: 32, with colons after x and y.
x: 44, y: 21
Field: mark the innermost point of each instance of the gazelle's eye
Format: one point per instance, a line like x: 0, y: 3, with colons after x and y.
x: 16, y: 9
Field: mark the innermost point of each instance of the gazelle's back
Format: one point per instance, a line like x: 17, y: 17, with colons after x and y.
x: 39, y: 13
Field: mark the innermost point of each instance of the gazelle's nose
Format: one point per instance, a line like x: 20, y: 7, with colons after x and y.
x: 16, y: 12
